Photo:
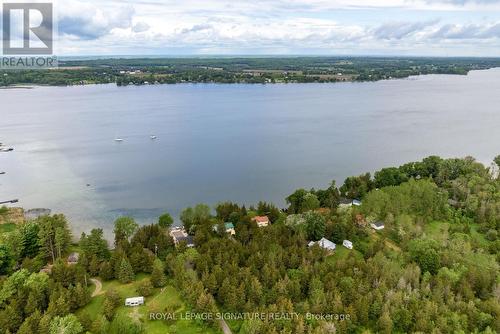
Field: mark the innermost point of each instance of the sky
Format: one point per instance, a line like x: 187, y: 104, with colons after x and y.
x: 278, y: 27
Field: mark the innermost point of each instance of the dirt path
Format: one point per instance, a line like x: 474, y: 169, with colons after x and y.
x: 225, y: 328
x: 98, y: 287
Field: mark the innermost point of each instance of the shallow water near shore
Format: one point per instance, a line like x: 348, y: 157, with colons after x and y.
x: 238, y: 142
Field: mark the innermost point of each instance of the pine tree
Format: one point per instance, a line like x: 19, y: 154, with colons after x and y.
x: 31, y: 324
x: 125, y: 272
x: 158, y: 276
x: 106, y: 271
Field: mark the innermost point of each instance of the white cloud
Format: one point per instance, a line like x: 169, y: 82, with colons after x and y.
x: 279, y: 26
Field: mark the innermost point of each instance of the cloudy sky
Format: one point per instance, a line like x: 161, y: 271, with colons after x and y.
x: 277, y: 27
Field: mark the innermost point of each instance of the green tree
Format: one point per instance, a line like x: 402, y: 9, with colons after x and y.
x: 296, y: 201
x: 65, y: 325
x: 311, y: 202
x: 122, y: 324
x: 357, y: 186
x: 95, y: 244
x: 424, y: 253
x: 124, y: 228
x: 389, y: 177
x: 194, y: 217
x: 6, y: 259
x: 111, y: 301
x: 145, y: 288
x: 315, y: 226
x: 158, y: 278
x: 330, y: 197
x: 31, y: 324
x: 106, y: 271
x: 54, y: 235
x: 125, y: 272
x: 165, y: 220
x: 497, y: 162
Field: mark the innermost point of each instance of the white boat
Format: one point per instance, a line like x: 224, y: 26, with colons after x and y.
x: 153, y: 137
x: 118, y: 139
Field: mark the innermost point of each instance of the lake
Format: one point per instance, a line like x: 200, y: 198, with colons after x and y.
x: 238, y: 142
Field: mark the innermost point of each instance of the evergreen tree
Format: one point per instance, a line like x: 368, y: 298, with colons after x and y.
x: 106, y: 271
x: 158, y: 278
x: 125, y: 272
x: 65, y: 325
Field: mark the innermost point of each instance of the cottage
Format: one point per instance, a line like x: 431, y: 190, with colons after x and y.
x: 180, y: 235
x: 378, y: 225
x: 347, y: 244
x: 345, y: 203
x: 262, y: 221
x: 228, y: 227
x: 134, y: 301
x: 323, y: 243
x: 73, y: 258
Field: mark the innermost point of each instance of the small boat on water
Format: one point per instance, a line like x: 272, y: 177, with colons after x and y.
x: 118, y: 139
x: 153, y: 137
x: 6, y: 149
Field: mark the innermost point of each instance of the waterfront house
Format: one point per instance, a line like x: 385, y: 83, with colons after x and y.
x: 347, y: 244
x: 134, y: 301
x: 378, y: 225
x: 324, y: 243
x: 262, y: 221
x: 180, y: 235
x: 228, y: 227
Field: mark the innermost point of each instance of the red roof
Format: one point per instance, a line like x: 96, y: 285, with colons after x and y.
x: 261, y: 219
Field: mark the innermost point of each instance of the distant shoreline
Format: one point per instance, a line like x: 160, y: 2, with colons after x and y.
x: 13, y: 87
x: 155, y: 71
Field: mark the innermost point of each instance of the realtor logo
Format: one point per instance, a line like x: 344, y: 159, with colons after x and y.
x: 28, y: 28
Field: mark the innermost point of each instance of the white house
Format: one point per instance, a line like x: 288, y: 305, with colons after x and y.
x: 134, y: 301
x: 324, y: 243
x: 378, y: 225
x: 262, y: 221
x: 347, y: 244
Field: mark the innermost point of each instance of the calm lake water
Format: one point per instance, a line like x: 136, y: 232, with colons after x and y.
x: 243, y: 143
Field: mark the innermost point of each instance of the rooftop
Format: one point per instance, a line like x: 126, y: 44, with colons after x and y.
x: 261, y: 219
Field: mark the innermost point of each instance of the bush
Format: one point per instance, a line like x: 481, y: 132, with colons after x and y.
x: 492, y: 235
x: 145, y: 288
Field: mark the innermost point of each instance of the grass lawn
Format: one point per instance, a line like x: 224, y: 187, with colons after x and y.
x: 341, y: 252
x: 161, y: 299
x: 437, y: 230
x: 8, y: 227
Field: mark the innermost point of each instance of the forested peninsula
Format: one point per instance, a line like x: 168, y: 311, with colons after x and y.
x: 414, y: 248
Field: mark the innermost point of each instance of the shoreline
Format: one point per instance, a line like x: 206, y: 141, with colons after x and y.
x: 34, y: 86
